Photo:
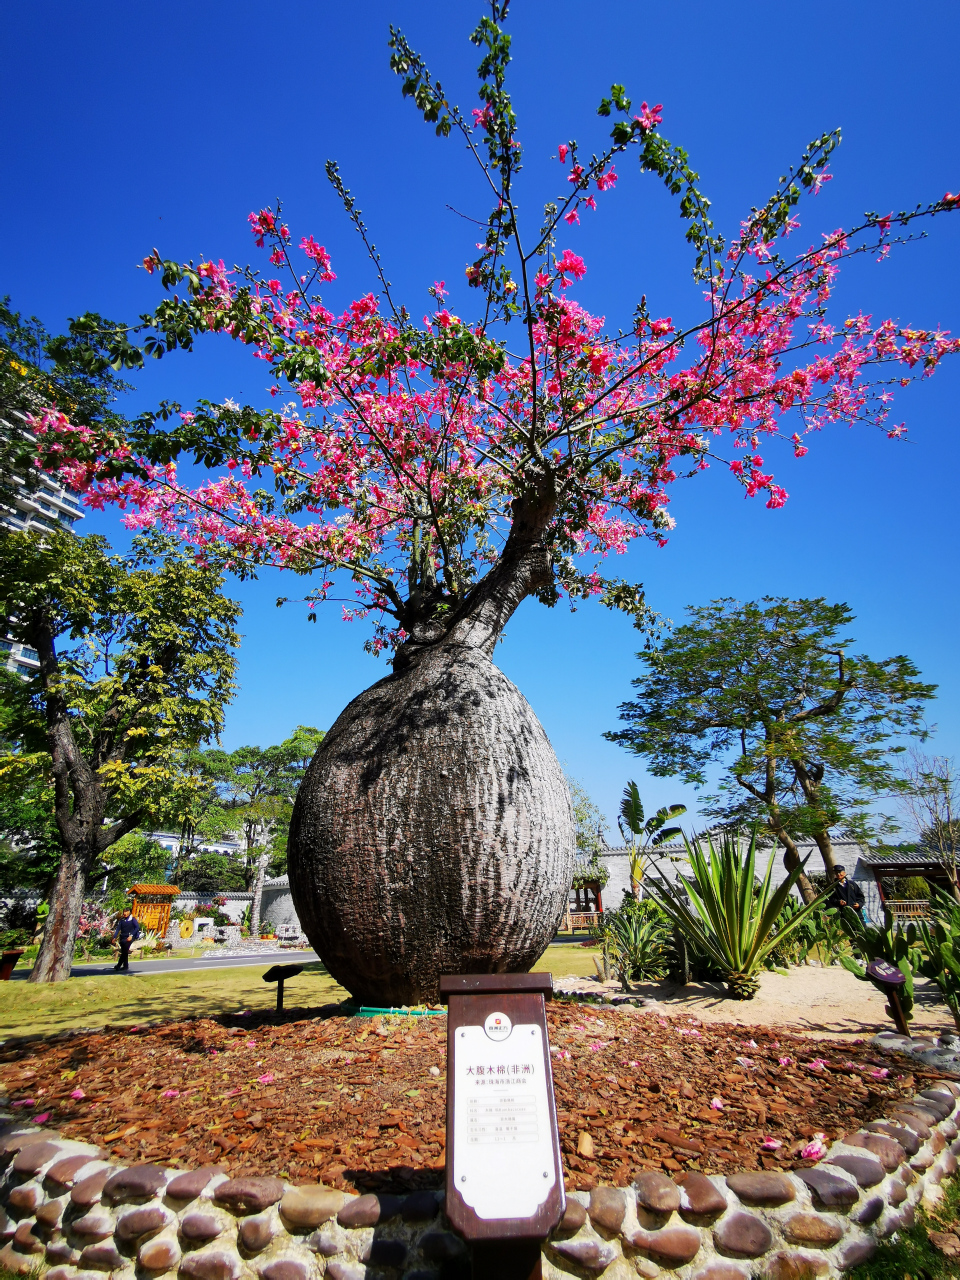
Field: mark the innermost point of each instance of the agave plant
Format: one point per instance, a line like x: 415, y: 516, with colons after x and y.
x: 636, y: 938
x: 732, y: 920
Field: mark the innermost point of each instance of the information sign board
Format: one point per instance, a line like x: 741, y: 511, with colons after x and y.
x: 504, y: 1176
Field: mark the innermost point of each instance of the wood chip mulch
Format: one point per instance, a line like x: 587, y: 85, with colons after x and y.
x: 352, y: 1101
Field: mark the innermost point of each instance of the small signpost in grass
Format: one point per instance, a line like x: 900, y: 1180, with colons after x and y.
x: 279, y: 974
x: 504, y: 1174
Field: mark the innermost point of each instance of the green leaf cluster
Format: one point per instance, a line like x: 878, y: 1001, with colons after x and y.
x: 136, y: 668
x: 806, y: 731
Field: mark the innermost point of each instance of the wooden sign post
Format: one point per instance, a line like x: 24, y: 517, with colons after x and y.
x: 891, y: 978
x: 279, y: 974
x: 504, y: 1175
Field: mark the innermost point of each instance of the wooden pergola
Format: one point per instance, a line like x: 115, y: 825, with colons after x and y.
x: 152, y: 904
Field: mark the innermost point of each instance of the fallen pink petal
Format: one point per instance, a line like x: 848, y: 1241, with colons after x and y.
x: 815, y: 1148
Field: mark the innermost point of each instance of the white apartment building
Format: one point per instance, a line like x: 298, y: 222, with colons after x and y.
x: 48, y: 506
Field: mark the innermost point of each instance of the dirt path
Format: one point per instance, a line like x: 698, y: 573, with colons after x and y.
x: 819, y: 1001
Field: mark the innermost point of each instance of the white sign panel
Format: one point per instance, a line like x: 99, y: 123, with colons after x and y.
x: 503, y: 1164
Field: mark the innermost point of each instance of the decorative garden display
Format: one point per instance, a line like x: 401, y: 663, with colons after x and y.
x: 152, y: 904
x: 439, y: 473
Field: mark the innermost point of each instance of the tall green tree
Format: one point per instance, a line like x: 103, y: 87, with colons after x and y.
x: 136, y: 667
x: 805, y: 732
x: 40, y: 371
x: 257, y: 787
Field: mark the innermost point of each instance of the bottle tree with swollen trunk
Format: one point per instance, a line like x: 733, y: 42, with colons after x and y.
x: 451, y: 469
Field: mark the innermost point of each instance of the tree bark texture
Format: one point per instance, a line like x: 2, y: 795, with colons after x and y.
x: 433, y: 833
x: 55, y: 959
x: 257, y: 899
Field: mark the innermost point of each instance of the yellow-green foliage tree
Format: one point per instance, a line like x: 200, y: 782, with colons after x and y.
x: 136, y: 667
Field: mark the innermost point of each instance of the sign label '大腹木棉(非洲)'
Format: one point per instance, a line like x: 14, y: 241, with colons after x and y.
x: 504, y: 1176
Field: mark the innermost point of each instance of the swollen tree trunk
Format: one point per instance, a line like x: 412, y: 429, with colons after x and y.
x: 433, y: 833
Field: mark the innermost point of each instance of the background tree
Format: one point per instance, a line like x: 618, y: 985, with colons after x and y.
x: 136, y: 666
x: 930, y: 800
x: 806, y: 732
x: 438, y: 475
x: 256, y: 788
x: 133, y: 859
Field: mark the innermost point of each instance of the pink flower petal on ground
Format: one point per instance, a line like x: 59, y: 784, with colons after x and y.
x: 25, y: 1102
x: 267, y: 1078
x: 170, y: 1093
x: 633, y: 1064
x: 880, y: 1073
x: 771, y: 1144
x: 42, y: 1119
x: 749, y: 1044
x: 77, y: 1095
x: 745, y: 1062
x: 815, y: 1148
x: 785, y: 1061
x: 251, y: 1044
x: 817, y: 1064
x: 716, y: 1104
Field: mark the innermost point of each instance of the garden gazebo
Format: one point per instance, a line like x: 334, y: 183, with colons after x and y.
x: 151, y: 905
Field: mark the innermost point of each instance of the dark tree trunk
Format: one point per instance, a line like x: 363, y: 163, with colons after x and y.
x: 55, y: 959
x: 433, y: 833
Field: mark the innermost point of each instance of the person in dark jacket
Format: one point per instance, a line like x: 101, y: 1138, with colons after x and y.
x: 845, y: 893
x: 127, y: 931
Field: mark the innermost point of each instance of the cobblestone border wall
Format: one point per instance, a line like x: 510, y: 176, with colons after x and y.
x: 79, y: 1215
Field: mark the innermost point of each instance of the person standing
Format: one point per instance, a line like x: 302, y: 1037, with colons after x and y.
x: 126, y: 932
x: 846, y: 894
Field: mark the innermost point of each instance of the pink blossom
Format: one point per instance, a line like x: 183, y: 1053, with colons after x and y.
x: 879, y: 1073
x: 77, y: 1094
x: 745, y: 1062
x: 771, y: 1144
x: 42, y: 1119
x: 266, y: 1078
x: 25, y: 1102
x: 649, y: 117
x: 563, y: 149
x: 170, y: 1093
x: 816, y: 1064
x: 815, y: 1148
x: 785, y: 1061
x: 716, y: 1104
x: 570, y: 263
x: 605, y: 181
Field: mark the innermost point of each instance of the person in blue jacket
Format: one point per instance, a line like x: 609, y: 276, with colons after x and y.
x: 126, y: 932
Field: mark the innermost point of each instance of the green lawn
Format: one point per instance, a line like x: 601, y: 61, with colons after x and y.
x: 125, y: 1000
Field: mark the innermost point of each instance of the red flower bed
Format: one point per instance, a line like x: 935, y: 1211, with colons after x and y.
x: 353, y: 1101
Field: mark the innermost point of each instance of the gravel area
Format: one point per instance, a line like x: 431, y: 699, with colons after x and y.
x: 360, y: 1103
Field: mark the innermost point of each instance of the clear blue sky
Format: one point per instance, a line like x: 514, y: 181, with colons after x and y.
x: 133, y: 125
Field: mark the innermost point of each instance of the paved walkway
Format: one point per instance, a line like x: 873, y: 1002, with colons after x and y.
x: 223, y: 960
